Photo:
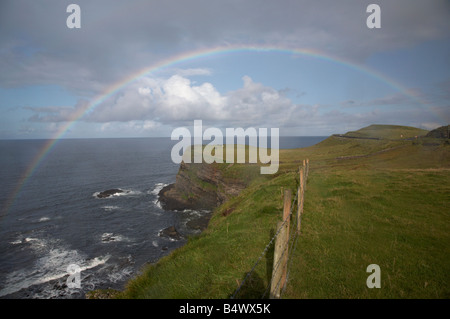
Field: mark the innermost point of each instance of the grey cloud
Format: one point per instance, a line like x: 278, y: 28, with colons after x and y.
x: 117, y: 37
x: 393, y: 99
x: 55, y: 114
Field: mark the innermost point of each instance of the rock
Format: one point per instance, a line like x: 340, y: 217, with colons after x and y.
x: 198, y: 186
x: 109, y: 192
x: 170, y: 232
x: 200, y: 223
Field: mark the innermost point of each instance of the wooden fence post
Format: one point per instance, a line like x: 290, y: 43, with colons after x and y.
x: 287, y: 219
x: 307, y: 168
x: 280, y: 258
x: 281, y: 253
x: 300, y: 199
x: 277, y: 271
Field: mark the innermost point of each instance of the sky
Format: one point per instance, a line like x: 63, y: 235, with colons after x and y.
x: 143, y: 68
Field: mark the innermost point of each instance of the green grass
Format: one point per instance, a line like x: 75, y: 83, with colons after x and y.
x: 367, y: 202
x: 395, y: 219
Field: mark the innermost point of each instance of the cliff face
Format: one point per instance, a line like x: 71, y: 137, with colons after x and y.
x: 440, y: 132
x: 199, y: 186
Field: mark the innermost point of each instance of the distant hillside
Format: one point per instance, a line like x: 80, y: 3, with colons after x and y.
x: 377, y: 131
x: 440, y: 132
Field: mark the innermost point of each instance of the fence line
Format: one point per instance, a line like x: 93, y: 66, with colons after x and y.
x: 282, y: 238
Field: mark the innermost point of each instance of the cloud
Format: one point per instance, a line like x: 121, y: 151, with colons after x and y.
x: 54, y: 114
x: 192, y: 72
x: 124, y: 128
x: 178, y: 100
x: 430, y: 125
x: 151, y: 103
x: 388, y: 100
x: 117, y: 37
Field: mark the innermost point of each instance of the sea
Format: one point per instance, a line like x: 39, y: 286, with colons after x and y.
x: 59, y: 240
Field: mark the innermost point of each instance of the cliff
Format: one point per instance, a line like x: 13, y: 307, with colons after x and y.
x: 200, y: 186
x: 440, y: 132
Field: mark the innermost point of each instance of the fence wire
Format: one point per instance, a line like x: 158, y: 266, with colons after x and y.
x: 293, y: 235
x: 289, y: 248
x: 266, y: 249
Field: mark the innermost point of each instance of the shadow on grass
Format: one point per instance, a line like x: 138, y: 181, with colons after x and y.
x: 254, y: 286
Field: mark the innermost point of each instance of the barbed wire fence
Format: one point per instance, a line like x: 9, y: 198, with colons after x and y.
x: 283, y: 242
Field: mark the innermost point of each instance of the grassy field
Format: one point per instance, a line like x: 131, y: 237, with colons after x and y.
x: 378, y: 201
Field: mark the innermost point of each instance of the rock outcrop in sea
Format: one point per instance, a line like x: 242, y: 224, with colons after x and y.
x: 109, y: 192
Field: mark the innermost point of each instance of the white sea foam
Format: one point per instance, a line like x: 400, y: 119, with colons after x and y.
x: 110, y: 208
x: 158, y: 188
x: 111, y: 237
x: 84, y: 265
x: 44, y: 219
x: 155, y: 191
x: 51, y: 265
x: 189, y: 215
x: 125, y: 192
x: 36, y: 243
x: 157, y: 203
x: 194, y: 213
x: 160, y: 234
x: 119, y: 275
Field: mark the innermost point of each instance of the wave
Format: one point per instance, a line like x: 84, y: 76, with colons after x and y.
x: 51, y: 265
x: 157, y: 203
x: 89, y: 264
x: 121, y: 270
x: 155, y: 191
x: 158, y: 188
x: 111, y: 237
x: 119, y: 193
x: 110, y: 208
x: 193, y: 221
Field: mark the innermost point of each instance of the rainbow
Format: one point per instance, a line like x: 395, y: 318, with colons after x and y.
x: 177, y: 59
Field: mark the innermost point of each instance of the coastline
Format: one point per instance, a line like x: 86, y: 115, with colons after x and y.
x: 353, y: 190
x: 195, y: 226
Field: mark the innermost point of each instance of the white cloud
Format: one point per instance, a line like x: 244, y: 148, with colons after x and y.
x: 192, y: 72
x: 131, y: 127
x: 144, y: 91
x: 150, y: 103
x: 177, y: 99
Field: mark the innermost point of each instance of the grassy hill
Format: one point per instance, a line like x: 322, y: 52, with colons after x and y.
x: 368, y: 201
x: 387, y: 132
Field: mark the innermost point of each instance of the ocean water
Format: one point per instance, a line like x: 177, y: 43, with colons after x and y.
x: 56, y: 220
